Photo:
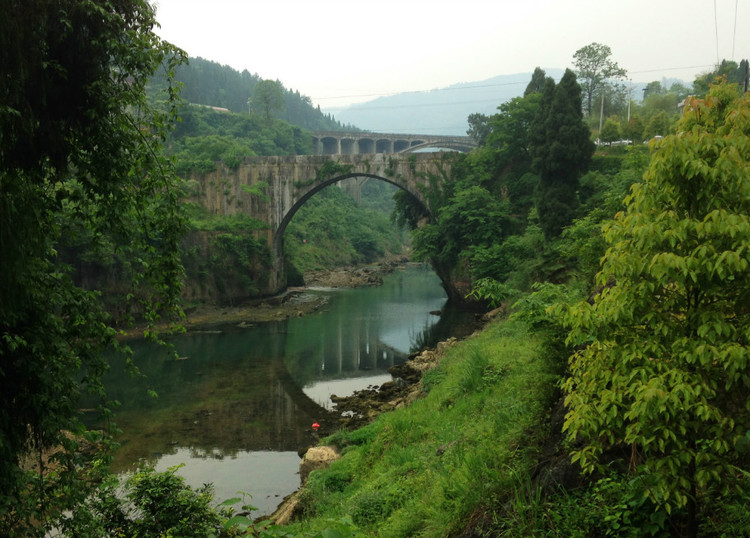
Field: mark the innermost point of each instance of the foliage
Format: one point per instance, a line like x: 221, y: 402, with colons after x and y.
x: 208, y: 83
x: 205, y: 136
x: 511, y: 133
x: 424, y: 469
x: 610, y: 131
x: 478, y: 127
x: 561, y: 150
x: 536, y: 84
x: 594, y: 67
x: 331, y: 230
x: 146, y: 504
x: 728, y: 71
x: 614, y: 506
x: 663, y: 371
x: 267, y: 97
x: 80, y: 155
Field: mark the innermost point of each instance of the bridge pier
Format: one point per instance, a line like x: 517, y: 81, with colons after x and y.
x: 362, y: 143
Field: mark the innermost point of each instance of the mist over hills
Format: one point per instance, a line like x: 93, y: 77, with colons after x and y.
x: 444, y: 111
x: 439, y: 112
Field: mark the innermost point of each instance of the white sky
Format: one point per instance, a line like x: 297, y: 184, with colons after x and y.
x: 342, y: 51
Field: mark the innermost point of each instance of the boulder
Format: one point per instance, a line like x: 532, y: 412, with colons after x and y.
x: 318, y: 457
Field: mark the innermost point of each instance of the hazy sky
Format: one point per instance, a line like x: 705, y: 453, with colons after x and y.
x: 343, y: 51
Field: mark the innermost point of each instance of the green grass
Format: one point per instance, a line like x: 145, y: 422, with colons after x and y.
x: 424, y: 470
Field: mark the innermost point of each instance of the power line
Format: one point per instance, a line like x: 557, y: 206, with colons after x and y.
x: 472, y: 87
x: 497, y: 85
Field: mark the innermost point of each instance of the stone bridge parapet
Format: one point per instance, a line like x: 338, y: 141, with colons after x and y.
x: 363, y: 143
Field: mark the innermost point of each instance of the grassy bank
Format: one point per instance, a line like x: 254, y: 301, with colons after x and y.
x: 436, y: 466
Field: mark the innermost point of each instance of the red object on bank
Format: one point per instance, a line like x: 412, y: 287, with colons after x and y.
x: 315, y: 426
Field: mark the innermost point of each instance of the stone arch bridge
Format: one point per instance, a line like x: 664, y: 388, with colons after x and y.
x: 272, y: 189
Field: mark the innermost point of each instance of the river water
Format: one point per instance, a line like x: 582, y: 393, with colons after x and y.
x: 238, y: 402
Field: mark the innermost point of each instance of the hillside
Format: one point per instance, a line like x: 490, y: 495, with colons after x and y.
x: 209, y: 83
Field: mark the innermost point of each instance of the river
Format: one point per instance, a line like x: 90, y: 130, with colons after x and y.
x: 237, y: 403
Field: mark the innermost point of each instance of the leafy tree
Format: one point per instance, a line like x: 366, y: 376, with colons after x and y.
x: 267, y: 97
x: 510, y: 132
x: 727, y: 70
x: 662, y: 374
x: 594, y: 67
x: 633, y: 129
x: 658, y: 124
x: 680, y: 90
x: 80, y: 158
x: 561, y: 150
x: 479, y: 127
x: 653, y: 88
x: 610, y: 132
x: 148, y: 503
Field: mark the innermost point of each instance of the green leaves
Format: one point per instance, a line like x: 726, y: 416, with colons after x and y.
x: 84, y: 185
x: 663, y: 370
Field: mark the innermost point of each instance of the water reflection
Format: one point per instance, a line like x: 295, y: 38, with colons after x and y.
x: 254, y: 390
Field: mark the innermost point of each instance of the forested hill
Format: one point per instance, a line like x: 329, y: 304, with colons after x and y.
x: 209, y: 83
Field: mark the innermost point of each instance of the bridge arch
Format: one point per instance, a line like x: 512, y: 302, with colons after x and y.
x: 278, y: 233
x: 271, y: 189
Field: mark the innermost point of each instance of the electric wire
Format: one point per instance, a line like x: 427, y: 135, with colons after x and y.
x: 496, y: 85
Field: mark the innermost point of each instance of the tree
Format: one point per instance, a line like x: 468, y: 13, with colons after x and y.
x: 610, y: 132
x: 661, y: 376
x: 658, y: 124
x: 267, y: 97
x: 594, y: 67
x: 80, y: 161
x: 510, y: 132
x: 679, y: 90
x: 561, y: 150
x: 536, y: 84
x: 726, y: 70
x: 653, y: 88
x: 479, y: 127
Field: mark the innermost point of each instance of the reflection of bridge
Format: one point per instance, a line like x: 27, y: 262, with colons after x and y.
x: 272, y: 189
x: 362, y: 143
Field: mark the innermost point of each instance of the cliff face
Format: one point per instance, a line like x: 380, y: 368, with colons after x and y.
x: 223, y: 267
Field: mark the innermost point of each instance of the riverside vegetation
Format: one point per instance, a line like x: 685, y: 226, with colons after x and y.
x: 651, y: 366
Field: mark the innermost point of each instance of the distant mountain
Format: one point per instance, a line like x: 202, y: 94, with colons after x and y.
x: 444, y: 111
x: 438, y: 112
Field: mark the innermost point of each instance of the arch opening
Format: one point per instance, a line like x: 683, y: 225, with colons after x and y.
x: 278, y: 235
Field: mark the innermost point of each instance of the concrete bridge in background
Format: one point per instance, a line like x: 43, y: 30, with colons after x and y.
x: 362, y: 143
x: 272, y: 189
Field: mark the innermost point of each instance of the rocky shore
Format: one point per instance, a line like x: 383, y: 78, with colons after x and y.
x: 358, y: 410
x: 294, y: 302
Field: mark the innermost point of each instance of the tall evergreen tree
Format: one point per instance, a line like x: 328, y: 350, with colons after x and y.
x: 536, y: 84
x: 561, y: 150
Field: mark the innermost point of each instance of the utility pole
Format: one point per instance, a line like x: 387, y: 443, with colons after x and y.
x: 601, y: 113
x: 630, y: 89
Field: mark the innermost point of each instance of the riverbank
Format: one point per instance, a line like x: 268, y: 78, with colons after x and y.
x: 444, y: 462
x: 293, y: 302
